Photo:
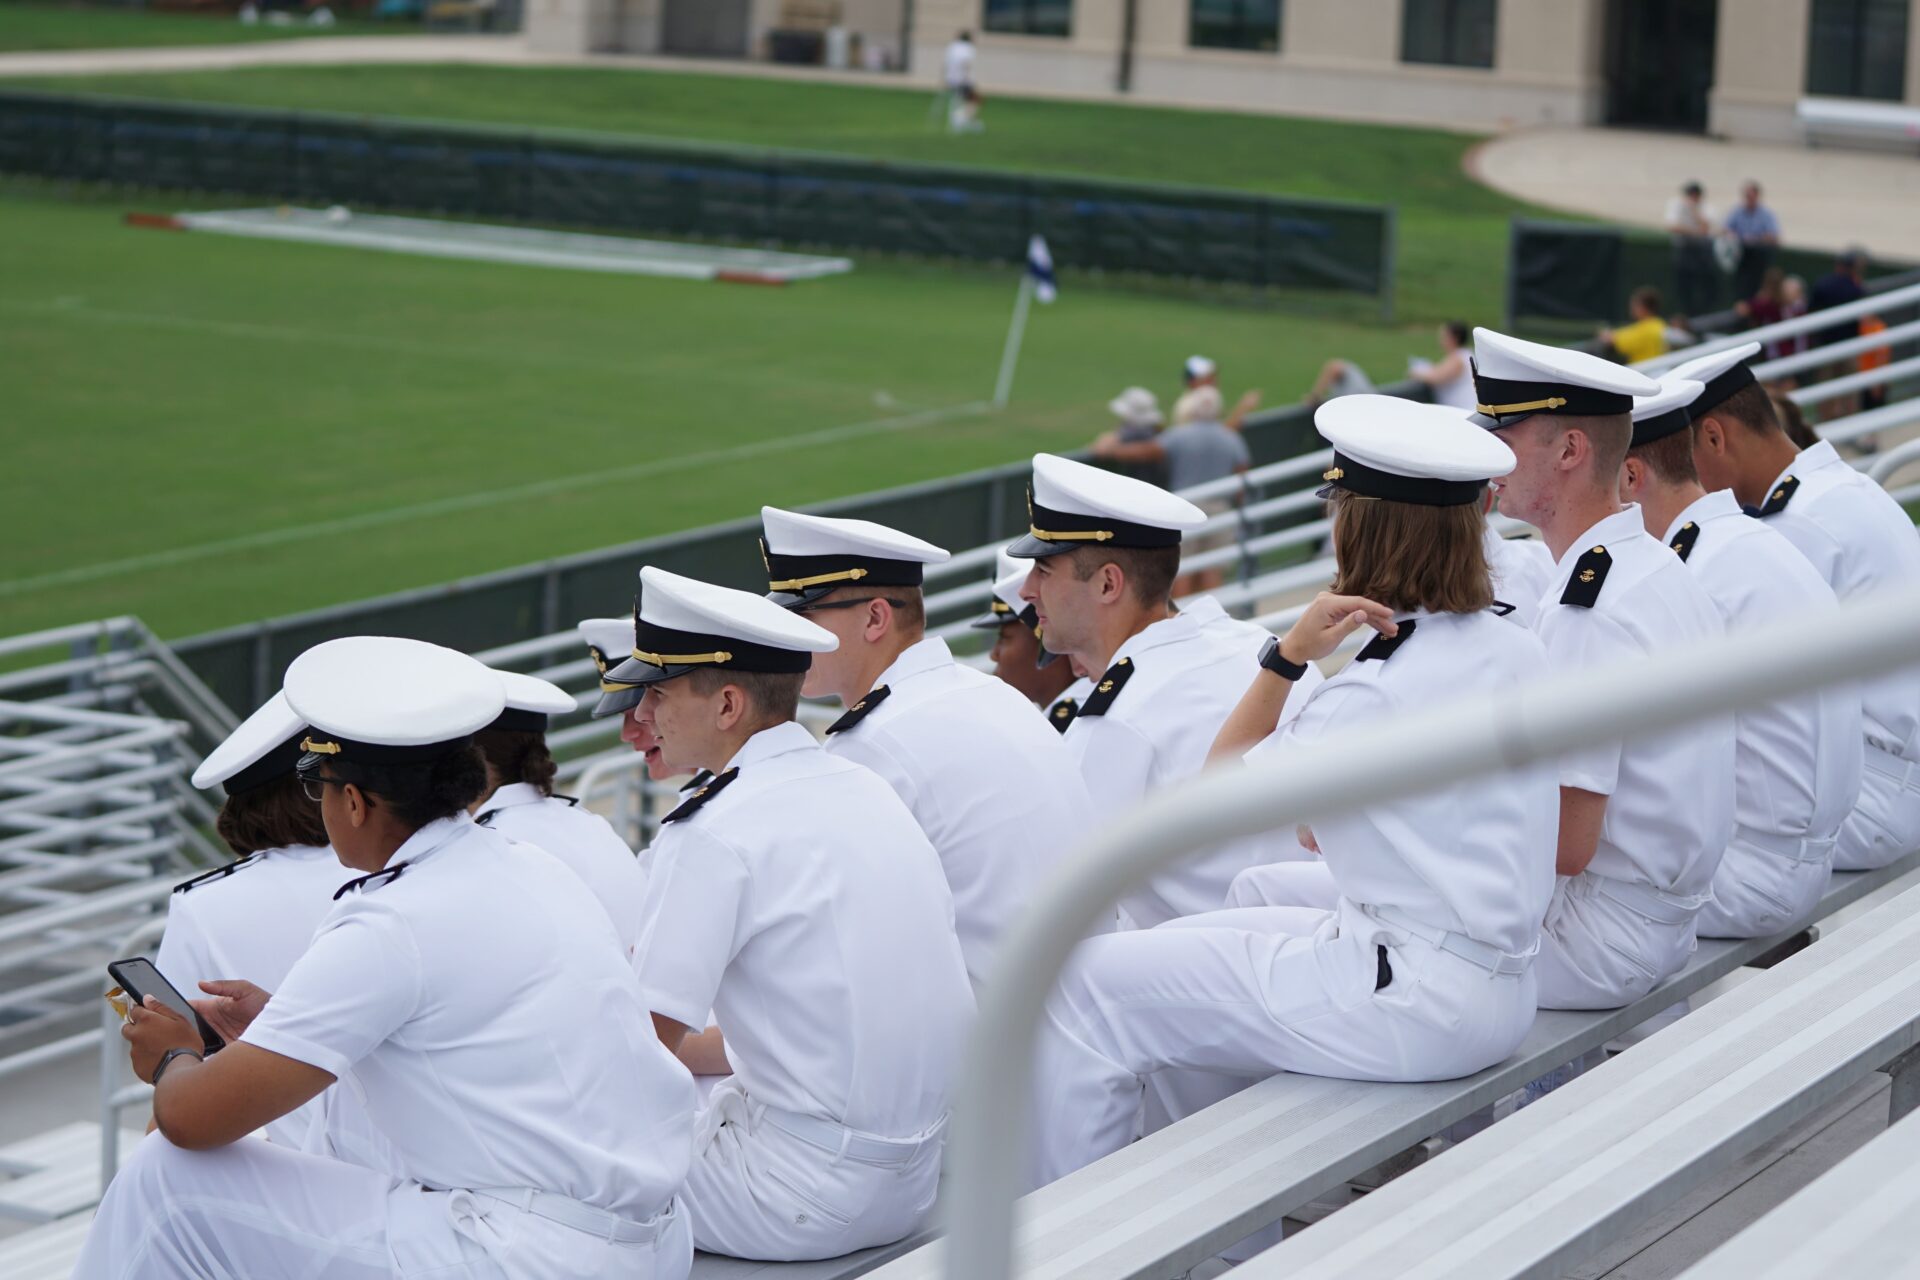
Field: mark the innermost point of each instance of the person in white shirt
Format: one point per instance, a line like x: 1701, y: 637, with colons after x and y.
x: 1105, y: 551
x: 1521, y: 569
x: 1018, y: 655
x: 253, y: 917
x: 1642, y: 824
x: 991, y: 786
x: 520, y: 802
x: 795, y: 897
x: 1797, y: 761
x: 1409, y: 956
x: 1859, y: 540
x: 963, y: 98
x: 475, y: 995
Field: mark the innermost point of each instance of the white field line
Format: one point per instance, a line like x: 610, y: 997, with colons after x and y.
x: 484, y: 498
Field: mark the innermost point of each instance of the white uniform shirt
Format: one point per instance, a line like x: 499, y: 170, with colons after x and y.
x: 579, y: 838
x: 1860, y: 540
x: 802, y: 904
x: 959, y: 63
x: 1062, y: 710
x: 1521, y: 569
x: 1474, y: 858
x: 990, y: 784
x: 480, y: 1003
x: 1798, y: 760
x: 1184, y: 676
x: 1670, y: 808
x: 252, y: 923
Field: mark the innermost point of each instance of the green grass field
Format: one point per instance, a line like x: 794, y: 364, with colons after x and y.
x: 203, y: 430
x: 35, y: 25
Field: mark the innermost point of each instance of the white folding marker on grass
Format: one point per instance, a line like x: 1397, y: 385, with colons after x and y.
x: 526, y: 246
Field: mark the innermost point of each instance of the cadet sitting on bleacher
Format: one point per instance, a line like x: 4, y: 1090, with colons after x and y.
x: 1797, y: 761
x: 477, y: 997
x: 1413, y: 961
x: 1859, y: 540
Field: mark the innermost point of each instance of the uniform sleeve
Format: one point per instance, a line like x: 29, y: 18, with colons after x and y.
x: 873, y: 748
x: 358, y: 983
x: 1115, y: 761
x: 1324, y: 711
x: 1577, y: 639
x: 690, y: 926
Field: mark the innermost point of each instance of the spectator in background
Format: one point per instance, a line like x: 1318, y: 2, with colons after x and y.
x: 1199, y: 447
x: 1764, y: 305
x: 1199, y: 372
x: 1758, y: 231
x: 1792, y: 421
x: 1136, y: 413
x: 1845, y: 283
x: 962, y: 99
x: 1690, y: 222
x: 1645, y: 335
x: 1450, y: 376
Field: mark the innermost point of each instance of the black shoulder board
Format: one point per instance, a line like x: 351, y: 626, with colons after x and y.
x: 1381, y: 647
x: 1589, y: 575
x: 572, y: 801
x: 1108, y: 689
x: 1062, y: 713
x: 696, y: 782
x: 218, y: 873
x: 386, y: 875
x: 858, y: 711
x: 484, y: 818
x: 1683, y: 541
x: 1782, y: 494
x: 700, y: 795
x: 1500, y: 608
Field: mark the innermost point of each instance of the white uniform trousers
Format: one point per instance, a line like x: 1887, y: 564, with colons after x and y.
x: 255, y: 1211
x: 1765, y: 883
x: 758, y: 1190
x: 1885, y: 822
x: 1215, y: 1002
x: 1607, y: 943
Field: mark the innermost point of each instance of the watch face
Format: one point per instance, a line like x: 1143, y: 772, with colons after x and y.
x: 1269, y: 650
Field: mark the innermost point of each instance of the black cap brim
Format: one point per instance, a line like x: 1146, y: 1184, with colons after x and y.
x: 1046, y: 659
x: 791, y: 600
x: 1029, y: 547
x: 991, y: 621
x: 615, y: 702
x: 635, y: 672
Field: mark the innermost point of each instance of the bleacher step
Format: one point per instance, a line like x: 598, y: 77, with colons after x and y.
x: 47, y: 1252
x: 63, y: 1186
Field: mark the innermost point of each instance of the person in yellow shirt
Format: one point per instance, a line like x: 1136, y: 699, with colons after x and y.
x: 1646, y: 335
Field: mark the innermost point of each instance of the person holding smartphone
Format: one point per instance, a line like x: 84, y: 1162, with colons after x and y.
x: 476, y: 995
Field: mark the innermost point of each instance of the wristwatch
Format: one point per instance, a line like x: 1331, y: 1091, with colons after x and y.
x: 1271, y: 660
x: 166, y: 1060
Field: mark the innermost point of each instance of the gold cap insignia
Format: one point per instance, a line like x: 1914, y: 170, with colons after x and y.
x: 320, y: 748
x: 1333, y: 473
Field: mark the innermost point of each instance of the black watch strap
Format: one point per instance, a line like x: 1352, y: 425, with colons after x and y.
x: 1271, y: 660
x: 166, y: 1060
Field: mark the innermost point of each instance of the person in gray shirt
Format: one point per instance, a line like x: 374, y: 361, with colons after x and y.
x: 1194, y: 451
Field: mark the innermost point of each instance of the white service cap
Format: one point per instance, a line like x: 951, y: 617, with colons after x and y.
x: 265, y: 746
x: 1075, y: 505
x: 1514, y: 379
x: 1720, y: 373
x: 810, y: 556
x: 1401, y: 450
x: 1659, y: 415
x: 609, y: 643
x: 683, y: 624
x: 383, y: 699
x: 530, y: 700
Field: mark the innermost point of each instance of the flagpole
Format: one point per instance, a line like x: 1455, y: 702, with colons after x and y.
x: 1016, y: 333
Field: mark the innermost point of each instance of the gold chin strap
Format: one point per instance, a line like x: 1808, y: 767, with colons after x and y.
x: 801, y: 584
x: 320, y: 748
x: 1529, y: 406
x: 680, y: 659
x: 608, y: 686
x: 1078, y: 535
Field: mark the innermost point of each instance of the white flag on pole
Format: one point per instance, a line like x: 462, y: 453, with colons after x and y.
x: 1040, y: 269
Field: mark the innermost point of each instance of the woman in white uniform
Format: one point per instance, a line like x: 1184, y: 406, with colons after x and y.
x: 1414, y: 963
x: 520, y: 802
x: 470, y: 990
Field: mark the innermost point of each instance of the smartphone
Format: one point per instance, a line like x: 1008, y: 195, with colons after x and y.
x: 139, y: 979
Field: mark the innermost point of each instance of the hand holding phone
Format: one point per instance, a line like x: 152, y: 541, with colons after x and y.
x: 139, y: 979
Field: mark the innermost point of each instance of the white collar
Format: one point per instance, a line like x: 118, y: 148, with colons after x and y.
x: 1714, y: 506
x: 929, y: 653
x: 430, y: 839
x: 511, y: 795
x: 1204, y: 610
x: 1812, y: 458
x: 768, y: 743
x: 1155, y: 635
x: 1617, y: 527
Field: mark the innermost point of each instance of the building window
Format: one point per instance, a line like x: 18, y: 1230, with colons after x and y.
x: 1455, y: 33
x: 1030, y: 17
x: 1858, y: 49
x: 1235, y: 24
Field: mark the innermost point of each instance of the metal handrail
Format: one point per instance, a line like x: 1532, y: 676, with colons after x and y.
x: 1873, y: 304
x: 1351, y: 769
x: 1882, y: 466
x: 1834, y: 388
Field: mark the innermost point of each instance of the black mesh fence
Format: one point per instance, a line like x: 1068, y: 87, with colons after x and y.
x: 783, y: 198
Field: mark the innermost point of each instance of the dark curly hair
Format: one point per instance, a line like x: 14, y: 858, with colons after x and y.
x: 518, y: 757
x: 419, y: 793
x: 271, y: 816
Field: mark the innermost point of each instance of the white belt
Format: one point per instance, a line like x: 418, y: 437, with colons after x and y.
x: 1484, y: 955
x: 569, y: 1212
x: 836, y: 1139
x: 1888, y: 765
x: 1798, y: 848
x: 1657, y: 905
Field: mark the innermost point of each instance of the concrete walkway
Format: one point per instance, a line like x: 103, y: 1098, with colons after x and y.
x: 1825, y: 199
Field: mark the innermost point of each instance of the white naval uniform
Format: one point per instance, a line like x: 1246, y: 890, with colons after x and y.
x: 478, y: 1002
x: 581, y: 839
x: 252, y: 921
x: 1521, y: 569
x: 1062, y: 710
x: 991, y: 785
x: 1860, y: 540
x: 1797, y: 761
x: 1627, y: 921
x: 1452, y: 884
x: 1151, y: 720
x: 800, y: 902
